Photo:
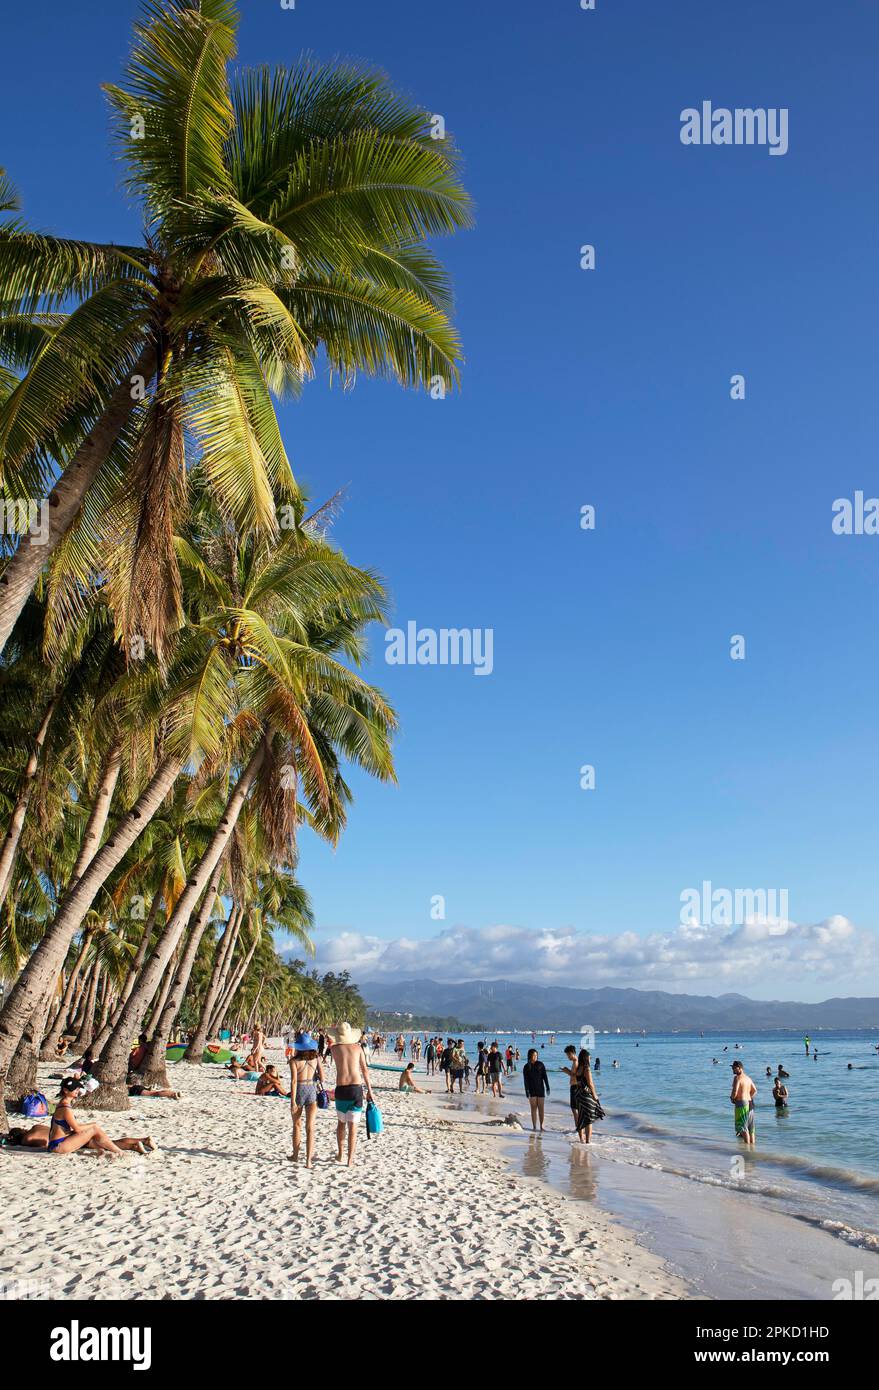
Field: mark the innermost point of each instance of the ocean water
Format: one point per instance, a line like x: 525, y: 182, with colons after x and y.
x: 668, y: 1108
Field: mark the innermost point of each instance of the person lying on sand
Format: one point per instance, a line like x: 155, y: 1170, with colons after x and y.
x: 269, y: 1084
x: 37, y: 1137
x: 238, y: 1070
x: 67, y: 1136
x: 153, y: 1093
x: 407, y: 1080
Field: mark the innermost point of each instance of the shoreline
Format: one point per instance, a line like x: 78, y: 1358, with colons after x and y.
x: 433, y: 1209
x: 724, y: 1242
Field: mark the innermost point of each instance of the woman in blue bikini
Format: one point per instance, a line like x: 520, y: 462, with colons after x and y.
x: 66, y: 1136
x: 306, y: 1076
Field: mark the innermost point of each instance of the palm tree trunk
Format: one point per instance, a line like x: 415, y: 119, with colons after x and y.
x: 100, y: 811
x: 22, y: 1076
x: 136, y: 964
x: 164, y: 989
x: 252, y: 1019
x: 195, y: 1050
x: 221, y: 1004
x: 45, y: 964
x: 106, y: 999
x: 154, y: 1070
x: 98, y: 816
x: 87, y: 1023
x: 19, y: 811
x: 78, y: 1014
x: 235, y: 985
x: 67, y: 495
x: 112, y: 1094
x: 58, y: 1025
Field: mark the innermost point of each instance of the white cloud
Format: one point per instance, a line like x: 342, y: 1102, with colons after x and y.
x: 761, y: 958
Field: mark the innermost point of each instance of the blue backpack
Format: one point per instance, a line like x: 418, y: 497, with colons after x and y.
x: 374, y: 1123
x: 35, y: 1105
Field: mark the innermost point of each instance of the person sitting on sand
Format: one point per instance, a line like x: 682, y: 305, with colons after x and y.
x: 67, y: 1136
x: 269, y: 1084
x: 62, y: 1046
x: 306, y: 1077
x: 138, y: 1053
x: 407, y: 1081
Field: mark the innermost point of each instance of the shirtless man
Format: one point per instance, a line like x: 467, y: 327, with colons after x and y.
x: 352, y: 1078
x: 742, y: 1096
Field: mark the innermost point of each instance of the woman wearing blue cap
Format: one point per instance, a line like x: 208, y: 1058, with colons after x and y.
x: 306, y: 1076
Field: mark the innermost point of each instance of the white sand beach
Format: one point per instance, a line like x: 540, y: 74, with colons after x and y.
x: 221, y: 1212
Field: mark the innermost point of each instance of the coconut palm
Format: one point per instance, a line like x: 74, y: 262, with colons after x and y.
x: 271, y: 702
x: 284, y: 212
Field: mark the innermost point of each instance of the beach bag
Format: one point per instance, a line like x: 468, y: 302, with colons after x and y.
x: 374, y: 1124
x: 323, y: 1099
x: 35, y: 1105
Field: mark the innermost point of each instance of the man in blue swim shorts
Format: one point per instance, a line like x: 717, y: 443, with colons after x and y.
x: 352, y: 1079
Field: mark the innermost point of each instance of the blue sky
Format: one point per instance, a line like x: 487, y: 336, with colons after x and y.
x: 608, y: 388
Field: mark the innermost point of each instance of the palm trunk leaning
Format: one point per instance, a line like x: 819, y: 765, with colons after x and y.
x: 112, y: 1069
x: 135, y: 969
x: 235, y: 984
x: 195, y: 1050
x: 157, y: 1004
x: 44, y: 966
x: 87, y: 1022
x: 58, y: 1022
x: 24, y: 1061
x: 65, y: 499
x: 154, y: 1069
x: 19, y: 810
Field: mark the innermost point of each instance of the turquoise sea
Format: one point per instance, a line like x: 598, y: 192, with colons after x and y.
x: 668, y: 1107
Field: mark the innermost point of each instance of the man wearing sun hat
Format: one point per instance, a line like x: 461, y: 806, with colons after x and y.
x: 352, y: 1079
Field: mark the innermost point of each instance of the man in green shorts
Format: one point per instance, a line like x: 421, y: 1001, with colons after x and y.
x: 742, y: 1096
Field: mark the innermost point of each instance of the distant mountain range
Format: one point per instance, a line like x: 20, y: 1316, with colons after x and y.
x: 504, y: 1004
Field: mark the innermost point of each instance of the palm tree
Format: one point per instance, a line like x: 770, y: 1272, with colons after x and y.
x: 258, y: 662
x: 285, y: 212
